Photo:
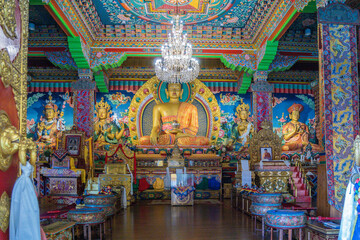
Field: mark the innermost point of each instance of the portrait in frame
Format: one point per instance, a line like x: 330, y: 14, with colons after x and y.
x: 266, y: 153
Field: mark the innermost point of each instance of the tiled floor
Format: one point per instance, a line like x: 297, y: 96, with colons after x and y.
x: 200, y: 222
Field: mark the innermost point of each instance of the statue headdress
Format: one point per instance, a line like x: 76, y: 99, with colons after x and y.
x: 295, y: 107
x: 242, y: 107
x: 104, y: 105
x: 50, y: 103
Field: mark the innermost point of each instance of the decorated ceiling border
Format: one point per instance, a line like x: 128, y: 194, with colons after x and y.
x: 61, y: 59
x: 73, y: 15
x: 133, y: 86
x: 106, y: 60
x: 240, y: 62
x: 73, y: 12
x: 283, y: 63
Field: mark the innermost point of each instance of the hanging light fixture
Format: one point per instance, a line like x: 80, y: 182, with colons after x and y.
x: 177, y: 64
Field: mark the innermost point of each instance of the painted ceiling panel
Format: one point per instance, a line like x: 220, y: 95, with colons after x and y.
x: 227, y: 13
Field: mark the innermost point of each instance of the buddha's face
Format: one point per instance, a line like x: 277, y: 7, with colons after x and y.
x: 49, y: 113
x: 244, y: 115
x: 295, y: 115
x: 174, y: 90
x: 102, y: 113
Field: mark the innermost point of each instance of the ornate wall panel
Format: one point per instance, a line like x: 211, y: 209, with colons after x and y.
x: 339, y: 78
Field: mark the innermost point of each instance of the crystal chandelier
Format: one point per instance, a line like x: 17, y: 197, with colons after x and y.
x: 177, y: 64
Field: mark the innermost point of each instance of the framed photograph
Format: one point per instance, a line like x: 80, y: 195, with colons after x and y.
x: 73, y: 144
x: 266, y: 153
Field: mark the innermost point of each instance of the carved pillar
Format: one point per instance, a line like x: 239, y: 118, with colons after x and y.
x: 84, y: 89
x: 262, y: 99
x: 338, y: 91
x: 14, y: 22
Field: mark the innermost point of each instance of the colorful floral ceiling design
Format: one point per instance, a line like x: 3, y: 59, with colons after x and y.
x: 227, y: 13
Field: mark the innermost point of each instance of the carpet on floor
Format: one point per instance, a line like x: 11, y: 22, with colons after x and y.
x: 200, y: 202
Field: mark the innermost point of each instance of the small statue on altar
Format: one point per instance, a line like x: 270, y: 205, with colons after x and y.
x: 106, y: 132
x: 244, y: 129
x: 49, y: 129
x: 295, y: 133
x: 167, y: 115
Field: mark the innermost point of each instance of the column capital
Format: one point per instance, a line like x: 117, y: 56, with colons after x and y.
x: 260, y: 82
x: 261, y: 76
x: 83, y: 84
x: 85, y: 73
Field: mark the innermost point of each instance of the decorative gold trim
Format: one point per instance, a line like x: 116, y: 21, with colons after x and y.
x: 149, y: 89
x: 14, y: 74
x: 9, y: 141
x: 7, y: 18
x: 265, y: 138
x: 7, y: 71
x: 4, y: 211
x: 82, y: 141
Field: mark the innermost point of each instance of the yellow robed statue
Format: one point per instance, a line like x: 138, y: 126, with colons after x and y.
x: 296, y: 134
x: 173, y: 121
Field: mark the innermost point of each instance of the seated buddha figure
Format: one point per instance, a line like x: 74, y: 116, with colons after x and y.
x: 49, y: 128
x: 106, y: 132
x: 167, y: 115
x: 294, y: 132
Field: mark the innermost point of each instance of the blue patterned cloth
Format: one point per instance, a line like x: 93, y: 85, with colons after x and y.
x: 24, y: 211
x: 214, y: 184
x: 182, y: 192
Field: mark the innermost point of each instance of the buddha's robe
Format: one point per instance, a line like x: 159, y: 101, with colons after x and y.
x: 187, y: 117
x: 299, y: 140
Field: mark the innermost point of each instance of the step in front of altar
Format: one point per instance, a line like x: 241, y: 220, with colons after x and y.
x: 166, y: 195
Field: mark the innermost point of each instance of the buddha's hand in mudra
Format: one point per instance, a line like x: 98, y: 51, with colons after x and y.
x: 175, y: 131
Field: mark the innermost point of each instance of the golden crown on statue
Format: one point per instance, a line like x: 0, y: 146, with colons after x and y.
x: 242, y: 106
x: 50, y: 104
x: 102, y: 104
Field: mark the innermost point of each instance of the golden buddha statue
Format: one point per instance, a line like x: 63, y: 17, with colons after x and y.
x: 49, y: 128
x: 106, y: 132
x: 295, y: 133
x: 174, y: 121
x: 244, y: 128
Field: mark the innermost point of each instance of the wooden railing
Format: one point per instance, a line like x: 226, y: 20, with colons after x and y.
x: 294, y: 187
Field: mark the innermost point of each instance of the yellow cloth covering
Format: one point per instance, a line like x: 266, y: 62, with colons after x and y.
x: 83, y: 172
x: 158, y: 184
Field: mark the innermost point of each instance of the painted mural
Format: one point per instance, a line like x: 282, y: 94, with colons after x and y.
x: 51, y: 113
x: 236, y: 125
x: 48, y: 115
x: 111, y: 122
x: 305, y: 105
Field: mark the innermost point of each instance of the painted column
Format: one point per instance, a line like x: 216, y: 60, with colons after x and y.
x: 84, y: 89
x: 338, y: 94
x: 262, y: 99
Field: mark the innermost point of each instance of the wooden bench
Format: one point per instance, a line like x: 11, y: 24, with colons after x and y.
x: 59, y: 230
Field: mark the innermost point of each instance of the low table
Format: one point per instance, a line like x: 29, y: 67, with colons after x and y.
x: 317, y: 230
x: 59, y: 230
